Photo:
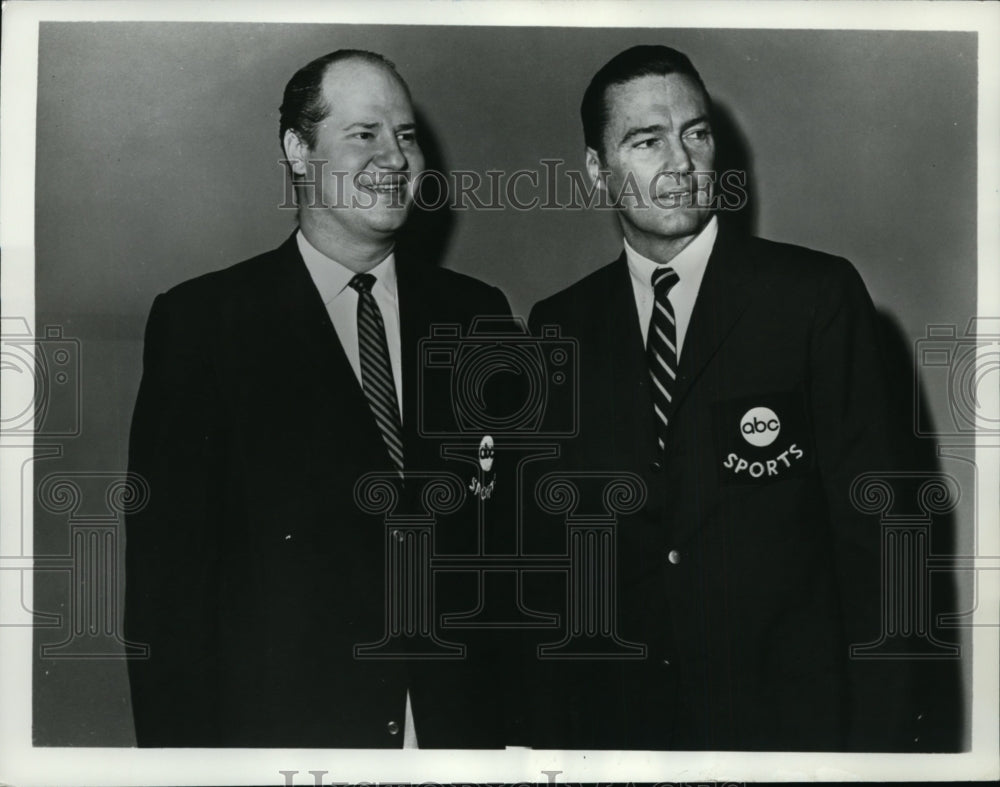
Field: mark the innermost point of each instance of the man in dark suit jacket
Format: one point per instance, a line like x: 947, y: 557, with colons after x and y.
x: 255, y: 571
x: 745, y: 388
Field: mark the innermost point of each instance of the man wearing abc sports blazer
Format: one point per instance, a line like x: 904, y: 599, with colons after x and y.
x: 747, y: 574
x: 254, y: 573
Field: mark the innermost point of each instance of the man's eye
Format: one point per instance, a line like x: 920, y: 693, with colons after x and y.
x: 407, y: 138
x: 364, y: 135
x: 643, y: 144
x: 699, y: 134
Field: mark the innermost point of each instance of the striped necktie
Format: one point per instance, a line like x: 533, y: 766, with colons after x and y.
x: 376, y: 369
x: 661, y: 348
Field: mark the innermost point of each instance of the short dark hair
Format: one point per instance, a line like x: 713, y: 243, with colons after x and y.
x: 638, y: 61
x: 303, y: 106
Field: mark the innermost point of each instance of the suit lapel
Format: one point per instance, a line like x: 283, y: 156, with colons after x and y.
x: 308, y: 336
x: 314, y: 331
x: 722, y: 299
x: 625, y: 354
x: 417, y: 306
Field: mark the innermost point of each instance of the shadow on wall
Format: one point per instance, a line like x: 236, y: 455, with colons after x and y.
x: 427, y: 233
x: 732, y: 155
x: 940, y: 698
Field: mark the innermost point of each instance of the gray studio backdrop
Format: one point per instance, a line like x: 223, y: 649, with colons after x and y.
x: 158, y: 160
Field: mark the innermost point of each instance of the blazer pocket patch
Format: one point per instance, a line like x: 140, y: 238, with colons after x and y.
x: 762, y: 438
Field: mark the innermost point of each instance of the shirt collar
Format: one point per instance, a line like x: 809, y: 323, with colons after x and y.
x: 332, y: 278
x: 688, y: 264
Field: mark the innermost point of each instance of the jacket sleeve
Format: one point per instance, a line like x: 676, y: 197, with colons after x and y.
x: 172, y: 546
x: 848, y: 396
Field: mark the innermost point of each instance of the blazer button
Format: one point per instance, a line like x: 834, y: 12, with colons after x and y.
x: 656, y: 465
x: 393, y: 728
x: 674, y: 556
x: 665, y: 662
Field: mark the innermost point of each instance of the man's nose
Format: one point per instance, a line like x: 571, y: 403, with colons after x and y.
x: 390, y: 155
x: 677, y: 159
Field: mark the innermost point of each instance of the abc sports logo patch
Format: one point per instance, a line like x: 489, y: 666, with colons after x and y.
x: 760, y: 426
x: 486, y: 453
x: 762, y: 438
x: 478, y: 486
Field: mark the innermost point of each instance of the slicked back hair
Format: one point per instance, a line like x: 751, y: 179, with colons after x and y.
x: 303, y: 106
x: 638, y: 61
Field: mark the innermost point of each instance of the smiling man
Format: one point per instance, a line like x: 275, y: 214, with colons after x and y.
x: 269, y: 388
x: 741, y: 380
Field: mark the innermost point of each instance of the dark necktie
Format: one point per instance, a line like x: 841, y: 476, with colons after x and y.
x: 376, y: 369
x: 661, y: 348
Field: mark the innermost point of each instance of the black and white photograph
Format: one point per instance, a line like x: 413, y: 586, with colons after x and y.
x: 516, y: 392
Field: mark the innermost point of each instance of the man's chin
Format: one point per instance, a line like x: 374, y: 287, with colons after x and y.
x: 388, y: 221
x: 680, y: 222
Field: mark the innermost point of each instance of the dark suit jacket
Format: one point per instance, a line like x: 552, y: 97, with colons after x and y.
x: 252, y: 573
x: 747, y: 591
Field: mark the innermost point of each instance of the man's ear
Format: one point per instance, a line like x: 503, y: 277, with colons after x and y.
x: 594, y: 168
x: 296, y: 151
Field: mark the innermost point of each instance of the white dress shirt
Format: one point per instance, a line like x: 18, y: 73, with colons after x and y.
x: 689, y: 265
x: 333, y: 281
